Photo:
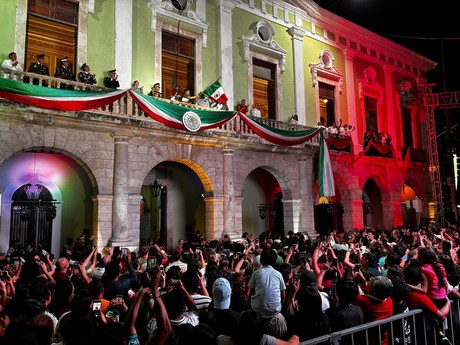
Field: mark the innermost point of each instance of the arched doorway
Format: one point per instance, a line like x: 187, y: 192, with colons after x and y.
x: 174, y: 202
x: 372, y: 204
x: 32, y: 213
x: 262, y: 207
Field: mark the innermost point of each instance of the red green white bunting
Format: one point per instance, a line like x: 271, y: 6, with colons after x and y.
x: 279, y: 136
x: 58, y: 99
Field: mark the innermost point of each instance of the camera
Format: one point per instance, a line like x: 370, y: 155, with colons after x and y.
x: 357, y: 267
x: 124, y: 251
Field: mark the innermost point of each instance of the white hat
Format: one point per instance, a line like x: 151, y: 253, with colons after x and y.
x: 221, y: 293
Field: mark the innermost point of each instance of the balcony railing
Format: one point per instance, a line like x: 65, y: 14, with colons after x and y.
x: 126, y: 107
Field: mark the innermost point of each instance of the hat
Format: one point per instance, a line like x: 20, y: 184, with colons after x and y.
x: 64, y: 59
x: 83, y: 66
x: 156, y: 84
x: 221, y: 293
x: 308, y: 278
x: 40, y: 56
x: 112, y: 70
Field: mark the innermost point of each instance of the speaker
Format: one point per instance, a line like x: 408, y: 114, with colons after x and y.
x: 328, y: 217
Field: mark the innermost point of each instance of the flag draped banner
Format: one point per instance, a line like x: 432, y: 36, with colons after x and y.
x: 216, y: 93
x: 58, y: 99
x: 279, y: 136
x: 171, y: 114
x: 325, y: 174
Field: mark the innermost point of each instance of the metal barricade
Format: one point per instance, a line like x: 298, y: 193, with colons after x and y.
x: 411, y: 328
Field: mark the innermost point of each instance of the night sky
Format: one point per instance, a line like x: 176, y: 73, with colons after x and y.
x: 418, y: 25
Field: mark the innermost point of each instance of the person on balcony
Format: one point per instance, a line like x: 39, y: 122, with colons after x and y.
x: 242, y: 107
x: 255, y: 112
x: 155, y: 92
x: 12, y: 64
x: 64, y: 72
x: 38, y: 67
x: 111, y: 81
x: 85, y: 76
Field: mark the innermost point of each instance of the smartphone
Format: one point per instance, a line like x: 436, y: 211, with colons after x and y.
x: 124, y: 251
x: 97, y: 308
x: 75, y: 266
x: 357, y: 267
x: 334, y: 261
x: 5, y: 274
x: 151, y: 262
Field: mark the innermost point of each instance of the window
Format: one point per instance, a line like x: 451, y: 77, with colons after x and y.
x: 51, y: 30
x: 327, y: 104
x: 327, y: 81
x: 178, y: 54
x: 264, y: 76
x: 406, y: 115
x: 370, y: 107
x: 266, y: 61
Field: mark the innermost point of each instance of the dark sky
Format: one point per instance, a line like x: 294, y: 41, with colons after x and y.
x: 423, y: 26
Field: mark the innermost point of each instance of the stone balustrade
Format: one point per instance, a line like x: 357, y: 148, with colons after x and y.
x: 126, y: 107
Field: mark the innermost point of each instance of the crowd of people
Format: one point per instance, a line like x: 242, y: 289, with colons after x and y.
x: 265, y: 290
x: 341, y: 130
x: 376, y: 137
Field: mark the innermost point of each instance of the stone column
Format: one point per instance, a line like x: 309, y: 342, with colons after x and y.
x: 124, y: 41
x: 229, y: 194
x: 292, y: 213
x: 120, y: 192
x: 351, y: 102
x: 307, y: 178
x: 299, y: 76
x: 393, y: 121
x: 102, y: 218
x: 214, y: 218
x: 226, y: 48
x: 357, y: 214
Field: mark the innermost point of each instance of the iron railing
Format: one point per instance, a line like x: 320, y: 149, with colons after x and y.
x: 413, y: 328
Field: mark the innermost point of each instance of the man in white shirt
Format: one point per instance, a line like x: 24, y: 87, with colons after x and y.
x: 256, y: 111
x: 13, y: 64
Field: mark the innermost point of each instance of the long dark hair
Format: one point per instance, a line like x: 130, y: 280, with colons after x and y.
x: 428, y: 256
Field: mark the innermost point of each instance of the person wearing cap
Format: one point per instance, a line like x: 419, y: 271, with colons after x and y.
x: 64, y: 72
x: 85, y: 76
x: 39, y: 67
x: 112, y: 80
x: 155, y: 92
x: 223, y: 319
x: 267, y: 289
x: 12, y: 64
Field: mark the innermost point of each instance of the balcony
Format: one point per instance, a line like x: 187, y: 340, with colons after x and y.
x: 126, y: 111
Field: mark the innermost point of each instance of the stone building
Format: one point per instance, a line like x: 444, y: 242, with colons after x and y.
x: 118, y: 174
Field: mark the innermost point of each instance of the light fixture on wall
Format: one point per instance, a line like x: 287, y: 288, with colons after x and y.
x: 33, y: 191
x: 156, y: 188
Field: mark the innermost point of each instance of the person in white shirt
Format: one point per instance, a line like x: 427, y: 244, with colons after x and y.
x: 256, y: 111
x: 13, y: 64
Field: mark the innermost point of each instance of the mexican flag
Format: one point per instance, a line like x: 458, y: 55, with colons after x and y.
x: 174, y: 84
x: 325, y: 174
x: 216, y: 93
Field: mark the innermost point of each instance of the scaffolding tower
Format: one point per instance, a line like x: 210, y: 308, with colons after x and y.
x: 432, y: 101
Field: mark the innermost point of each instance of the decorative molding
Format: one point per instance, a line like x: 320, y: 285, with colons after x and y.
x: 187, y: 17
x: 296, y: 33
x: 368, y: 85
x: 325, y: 69
x: 262, y: 42
x: 91, y: 6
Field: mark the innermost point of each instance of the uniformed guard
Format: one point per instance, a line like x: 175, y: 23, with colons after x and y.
x: 85, y: 76
x: 64, y: 72
x: 112, y: 81
x: 39, y: 67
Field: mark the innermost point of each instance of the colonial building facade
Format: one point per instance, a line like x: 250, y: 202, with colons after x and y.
x: 118, y: 174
